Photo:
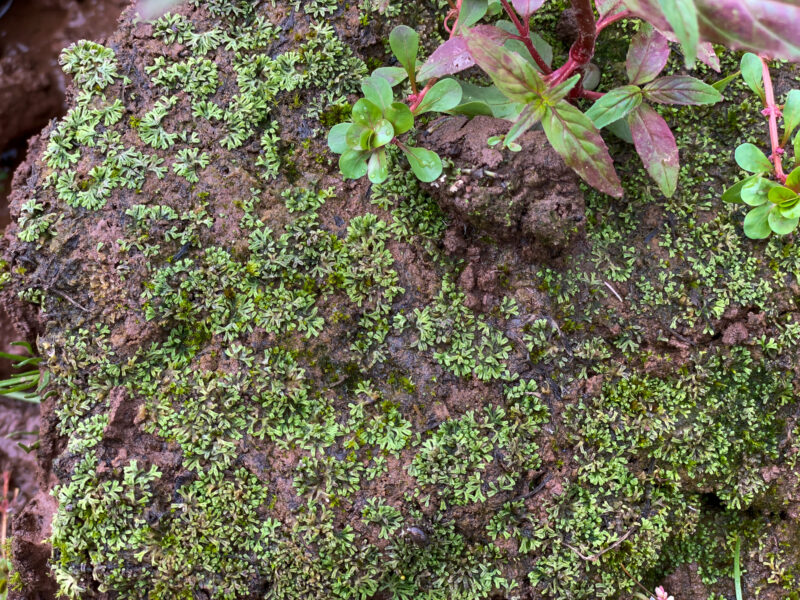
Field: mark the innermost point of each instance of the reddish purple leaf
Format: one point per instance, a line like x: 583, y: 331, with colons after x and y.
x: 656, y: 146
x: 762, y: 26
x: 647, y: 55
x: 573, y: 135
x: 708, y: 56
x: 527, y: 7
x: 609, y: 7
x: 453, y: 56
x: 512, y: 74
x: 681, y: 89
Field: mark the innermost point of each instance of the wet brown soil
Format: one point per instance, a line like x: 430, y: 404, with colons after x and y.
x: 541, y: 196
x: 32, y: 85
x: 32, y: 91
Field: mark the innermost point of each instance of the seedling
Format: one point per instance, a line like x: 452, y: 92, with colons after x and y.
x: 772, y: 194
x: 378, y: 119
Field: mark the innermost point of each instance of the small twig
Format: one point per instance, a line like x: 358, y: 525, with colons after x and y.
x: 68, y: 299
x: 594, y: 557
x: 458, y: 16
x: 636, y: 581
x: 538, y: 488
x: 613, y: 291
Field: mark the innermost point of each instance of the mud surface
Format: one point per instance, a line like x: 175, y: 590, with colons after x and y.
x: 32, y: 85
x: 532, y: 197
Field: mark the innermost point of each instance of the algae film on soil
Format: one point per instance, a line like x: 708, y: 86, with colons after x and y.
x: 271, y: 383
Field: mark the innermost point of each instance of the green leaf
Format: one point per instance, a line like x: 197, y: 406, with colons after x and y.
x: 751, y: 159
x: 793, y: 180
x: 756, y: 223
x: 493, y: 102
x: 791, y: 211
x: 472, y: 11
x: 621, y: 129
x: 753, y: 74
x: 573, y: 135
x: 681, y: 89
x: 378, y: 166
x: 529, y: 116
x: 734, y: 193
x: 337, y: 137
x: 404, y: 42
x: 383, y: 134
x: 797, y: 148
x: 425, y: 164
x: 393, y: 75
x: 682, y: 17
x: 400, y: 116
x: 353, y: 163
x: 378, y: 91
x: 791, y: 114
x: 722, y: 84
x: 443, y: 96
x: 780, y: 224
x: 358, y: 137
x: 511, y: 73
x: 472, y: 109
x: 556, y: 94
x: 756, y: 191
x: 614, y: 105
x: 366, y: 113
x: 781, y: 195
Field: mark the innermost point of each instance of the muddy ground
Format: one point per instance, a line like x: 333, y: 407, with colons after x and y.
x: 32, y: 91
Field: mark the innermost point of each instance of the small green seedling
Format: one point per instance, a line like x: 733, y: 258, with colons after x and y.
x: 776, y: 207
x: 775, y: 201
x: 378, y: 120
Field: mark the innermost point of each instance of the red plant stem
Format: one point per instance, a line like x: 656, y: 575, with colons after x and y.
x: 773, y: 112
x: 512, y: 14
x: 583, y: 48
x: 609, y: 19
x: 525, y: 36
x: 458, y: 16
x: 419, y: 97
x: 591, y: 95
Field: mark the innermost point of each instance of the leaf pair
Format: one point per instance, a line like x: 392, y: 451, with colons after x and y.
x: 776, y: 207
x: 377, y: 119
x: 625, y: 106
x: 568, y: 130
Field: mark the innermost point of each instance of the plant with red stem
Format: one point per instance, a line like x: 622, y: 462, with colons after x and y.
x: 775, y: 201
x: 527, y: 89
